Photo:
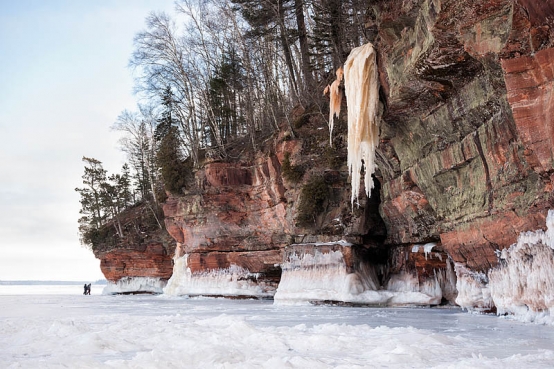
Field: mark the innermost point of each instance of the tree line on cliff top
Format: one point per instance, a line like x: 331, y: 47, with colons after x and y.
x: 213, y: 75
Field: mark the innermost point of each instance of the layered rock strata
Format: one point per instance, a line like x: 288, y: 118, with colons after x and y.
x: 467, y: 131
x: 465, y: 163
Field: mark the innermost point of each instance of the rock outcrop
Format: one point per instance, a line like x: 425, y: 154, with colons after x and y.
x: 465, y: 163
x: 141, y: 260
x: 467, y: 130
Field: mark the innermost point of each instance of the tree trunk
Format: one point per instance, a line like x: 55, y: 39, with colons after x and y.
x: 285, y: 45
x: 304, y: 49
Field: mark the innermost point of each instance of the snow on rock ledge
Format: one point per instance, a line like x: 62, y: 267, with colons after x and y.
x: 135, y: 285
x: 231, y: 281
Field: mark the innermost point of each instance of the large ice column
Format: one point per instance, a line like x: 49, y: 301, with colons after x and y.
x: 135, y: 285
x: 231, y: 281
x: 361, y: 83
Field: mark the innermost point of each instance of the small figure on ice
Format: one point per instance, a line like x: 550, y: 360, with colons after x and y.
x: 87, y: 289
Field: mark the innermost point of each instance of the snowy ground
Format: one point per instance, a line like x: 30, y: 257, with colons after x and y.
x: 145, y: 331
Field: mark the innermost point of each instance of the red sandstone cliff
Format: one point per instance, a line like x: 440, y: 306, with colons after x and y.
x: 465, y: 159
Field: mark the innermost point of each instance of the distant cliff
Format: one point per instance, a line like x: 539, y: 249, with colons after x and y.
x: 465, y: 165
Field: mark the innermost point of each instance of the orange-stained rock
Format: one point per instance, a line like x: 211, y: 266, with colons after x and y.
x: 475, y: 244
x: 265, y: 263
x: 237, y: 215
x: 153, y: 261
x: 530, y: 82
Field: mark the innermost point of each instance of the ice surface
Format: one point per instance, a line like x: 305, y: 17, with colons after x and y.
x: 361, y: 83
x: 135, y: 284
x: 232, y: 281
x: 145, y: 331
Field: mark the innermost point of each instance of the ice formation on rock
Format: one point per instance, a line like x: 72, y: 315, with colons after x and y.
x: 232, y: 281
x: 362, y: 97
x: 321, y: 277
x: 473, y: 292
x: 135, y: 285
x: 335, y: 95
x: 325, y: 276
x: 523, y: 285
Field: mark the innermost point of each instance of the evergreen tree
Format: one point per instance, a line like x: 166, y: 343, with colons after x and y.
x: 174, y: 171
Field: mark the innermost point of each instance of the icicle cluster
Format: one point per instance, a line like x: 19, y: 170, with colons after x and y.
x: 232, y: 281
x: 134, y: 285
x: 335, y: 95
x: 362, y: 96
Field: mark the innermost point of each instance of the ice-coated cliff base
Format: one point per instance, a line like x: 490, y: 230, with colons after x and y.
x: 232, y: 281
x: 326, y: 272
x: 523, y: 283
x: 135, y: 285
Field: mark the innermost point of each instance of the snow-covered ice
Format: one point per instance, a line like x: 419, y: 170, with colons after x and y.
x: 146, y: 331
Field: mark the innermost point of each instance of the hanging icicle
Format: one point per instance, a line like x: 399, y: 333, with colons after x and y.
x: 335, y: 95
x: 362, y: 97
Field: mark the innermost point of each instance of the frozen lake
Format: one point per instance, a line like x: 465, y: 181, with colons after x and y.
x: 68, y: 330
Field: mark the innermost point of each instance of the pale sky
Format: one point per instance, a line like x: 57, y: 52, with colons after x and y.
x: 63, y: 81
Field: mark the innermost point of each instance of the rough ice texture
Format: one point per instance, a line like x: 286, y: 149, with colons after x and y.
x: 313, y: 273
x: 137, y: 332
x: 523, y: 283
x: 135, y: 285
x: 231, y: 281
x: 362, y: 96
x: 473, y: 292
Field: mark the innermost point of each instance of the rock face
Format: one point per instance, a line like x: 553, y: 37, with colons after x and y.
x: 465, y: 164
x: 465, y: 160
x: 467, y: 129
x: 145, y: 252
x: 152, y: 261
